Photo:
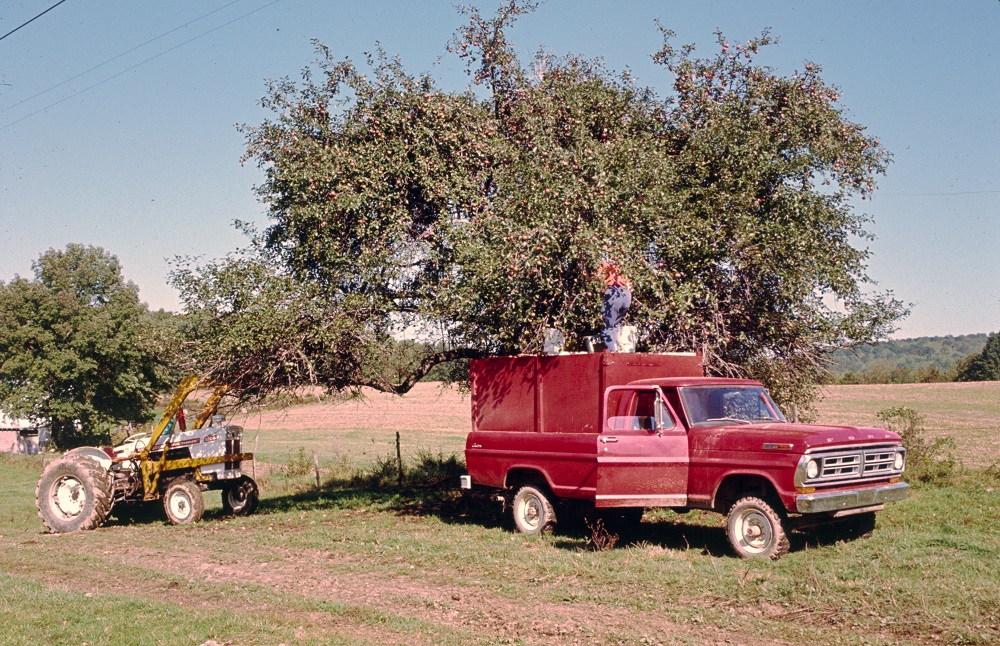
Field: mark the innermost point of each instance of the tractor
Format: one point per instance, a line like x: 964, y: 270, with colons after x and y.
x: 174, y: 464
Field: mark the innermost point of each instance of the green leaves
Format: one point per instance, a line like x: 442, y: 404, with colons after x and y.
x: 472, y: 221
x: 77, y: 347
x: 984, y: 366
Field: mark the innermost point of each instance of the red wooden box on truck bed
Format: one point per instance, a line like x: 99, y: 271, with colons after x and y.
x: 631, y: 431
x: 540, y: 416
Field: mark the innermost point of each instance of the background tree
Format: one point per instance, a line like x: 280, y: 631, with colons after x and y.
x: 482, y: 216
x: 76, y: 346
x: 984, y: 366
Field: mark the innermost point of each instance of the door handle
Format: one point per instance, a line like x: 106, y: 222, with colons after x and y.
x: 608, y: 440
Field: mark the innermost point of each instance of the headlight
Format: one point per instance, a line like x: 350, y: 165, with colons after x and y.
x: 812, y: 469
x: 898, y: 462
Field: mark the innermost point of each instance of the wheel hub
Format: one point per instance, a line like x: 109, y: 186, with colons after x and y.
x: 531, y: 512
x: 69, y: 497
x: 754, y: 531
x: 180, y: 506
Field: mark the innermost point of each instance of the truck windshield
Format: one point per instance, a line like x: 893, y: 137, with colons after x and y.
x: 722, y: 405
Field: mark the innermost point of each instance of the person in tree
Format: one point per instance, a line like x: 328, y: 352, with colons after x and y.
x: 617, y: 298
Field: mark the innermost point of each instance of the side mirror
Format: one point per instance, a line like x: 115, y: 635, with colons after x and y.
x: 659, y: 414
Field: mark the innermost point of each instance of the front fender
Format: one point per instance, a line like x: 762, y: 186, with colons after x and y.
x: 731, y: 484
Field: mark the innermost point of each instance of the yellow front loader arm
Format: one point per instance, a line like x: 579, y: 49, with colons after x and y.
x: 152, y: 469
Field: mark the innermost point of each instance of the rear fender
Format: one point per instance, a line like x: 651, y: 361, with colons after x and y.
x: 94, y: 454
x: 518, y: 476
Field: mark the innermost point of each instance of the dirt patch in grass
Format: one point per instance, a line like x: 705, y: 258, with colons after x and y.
x: 201, y: 570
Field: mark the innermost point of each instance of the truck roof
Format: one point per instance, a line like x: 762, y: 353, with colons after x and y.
x: 677, y: 382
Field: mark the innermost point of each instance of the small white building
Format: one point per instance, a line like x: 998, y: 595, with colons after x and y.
x: 21, y: 435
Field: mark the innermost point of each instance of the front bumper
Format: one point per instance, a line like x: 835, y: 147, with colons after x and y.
x: 816, y: 503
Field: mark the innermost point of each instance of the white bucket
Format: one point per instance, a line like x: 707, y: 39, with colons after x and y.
x: 554, y: 341
x: 626, y: 338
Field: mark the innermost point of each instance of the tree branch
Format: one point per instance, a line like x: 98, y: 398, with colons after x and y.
x: 422, y: 370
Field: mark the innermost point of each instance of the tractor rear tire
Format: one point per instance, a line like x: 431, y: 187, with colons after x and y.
x: 240, y: 498
x: 73, y: 493
x: 183, y: 502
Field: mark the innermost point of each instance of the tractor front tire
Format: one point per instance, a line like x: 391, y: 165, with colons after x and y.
x: 183, y: 502
x: 73, y: 493
x: 240, y: 498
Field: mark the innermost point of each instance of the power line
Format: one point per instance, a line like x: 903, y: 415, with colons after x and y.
x: 937, y: 194
x: 33, y: 19
x: 140, y: 46
x: 154, y: 57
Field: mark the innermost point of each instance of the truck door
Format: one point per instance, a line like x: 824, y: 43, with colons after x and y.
x: 642, y: 451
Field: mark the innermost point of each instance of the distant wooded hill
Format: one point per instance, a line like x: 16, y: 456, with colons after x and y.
x: 924, y: 353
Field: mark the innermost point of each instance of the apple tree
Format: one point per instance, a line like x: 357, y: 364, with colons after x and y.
x: 478, y: 218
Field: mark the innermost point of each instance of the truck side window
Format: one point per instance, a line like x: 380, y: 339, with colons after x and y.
x: 634, y: 411
x: 645, y: 416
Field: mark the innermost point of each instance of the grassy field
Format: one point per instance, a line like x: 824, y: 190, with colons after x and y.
x: 969, y: 412
x: 347, y: 564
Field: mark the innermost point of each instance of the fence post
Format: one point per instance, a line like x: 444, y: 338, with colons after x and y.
x: 254, y: 462
x: 399, y: 462
x: 316, y: 467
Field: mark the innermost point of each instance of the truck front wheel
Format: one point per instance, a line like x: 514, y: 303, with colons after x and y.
x: 533, y: 511
x: 756, y: 529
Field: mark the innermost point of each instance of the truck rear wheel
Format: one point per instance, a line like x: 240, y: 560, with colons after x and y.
x: 533, y: 511
x: 755, y: 529
x: 240, y: 498
x: 183, y: 502
x: 73, y: 493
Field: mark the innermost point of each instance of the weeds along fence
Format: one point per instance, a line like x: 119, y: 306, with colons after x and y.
x: 303, y: 470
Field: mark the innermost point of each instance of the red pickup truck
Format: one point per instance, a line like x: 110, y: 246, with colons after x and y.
x: 631, y: 431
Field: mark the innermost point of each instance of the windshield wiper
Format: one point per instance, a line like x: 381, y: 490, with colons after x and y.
x: 728, y: 419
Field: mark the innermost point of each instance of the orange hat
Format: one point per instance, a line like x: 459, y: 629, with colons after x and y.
x: 611, y: 274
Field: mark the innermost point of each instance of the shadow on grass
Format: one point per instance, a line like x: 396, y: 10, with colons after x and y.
x: 445, y: 502
x: 430, y: 489
x: 698, y: 531
x: 480, y: 508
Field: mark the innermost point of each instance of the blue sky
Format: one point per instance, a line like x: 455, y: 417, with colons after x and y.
x: 142, y: 156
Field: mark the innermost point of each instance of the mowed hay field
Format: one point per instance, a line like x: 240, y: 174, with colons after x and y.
x: 436, y: 420
x: 359, y: 432
x: 353, y: 564
x: 968, y: 412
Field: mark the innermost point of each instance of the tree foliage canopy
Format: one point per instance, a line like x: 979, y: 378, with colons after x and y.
x: 984, y: 366
x: 482, y: 216
x: 77, y: 347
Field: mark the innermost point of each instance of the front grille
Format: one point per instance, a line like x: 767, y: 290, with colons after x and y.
x: 840, y: 466
x: 855, y: 464
x: 879, y: 462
